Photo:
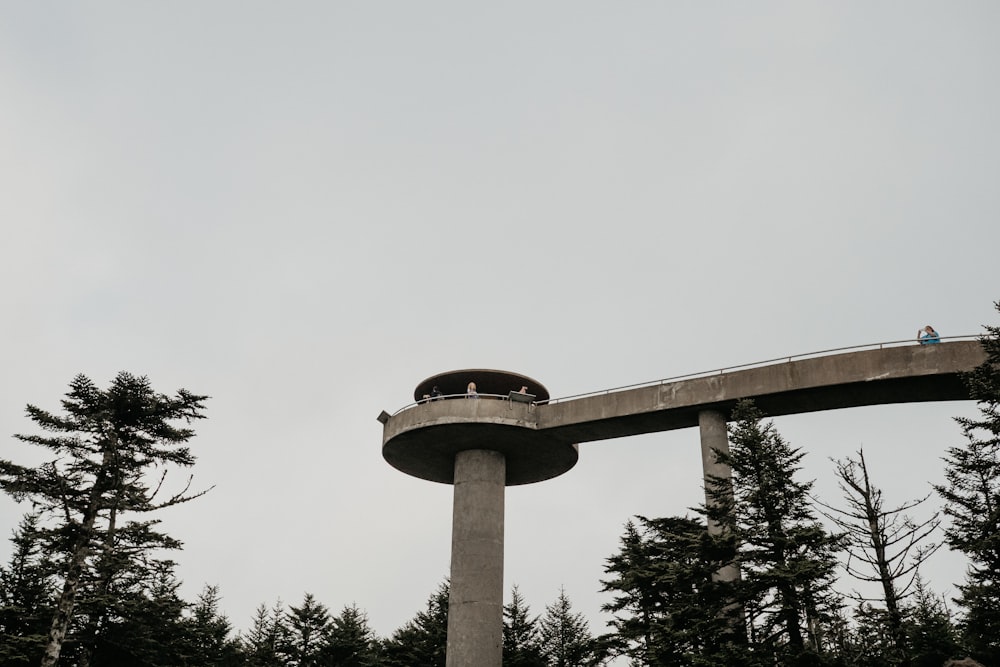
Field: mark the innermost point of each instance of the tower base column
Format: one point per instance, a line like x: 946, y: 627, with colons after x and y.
x: 475, y: 604
x: 714, y: 436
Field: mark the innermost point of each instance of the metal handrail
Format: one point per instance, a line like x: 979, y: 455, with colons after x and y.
x: 462, y: 395
x: 717, y: 371
x: 755, y: 364
x: 444, y: 397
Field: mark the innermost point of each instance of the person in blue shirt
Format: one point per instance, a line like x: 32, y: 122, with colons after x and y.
x: 927, y: 335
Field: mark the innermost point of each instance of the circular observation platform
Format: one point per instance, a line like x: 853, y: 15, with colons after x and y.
x: 488, y: 382
x: 422, y: 440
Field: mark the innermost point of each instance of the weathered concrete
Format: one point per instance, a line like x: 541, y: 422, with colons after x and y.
x: 444, y: 441
x: 715, y: 437
x: 423, y: 440
x: 475, y: 606
x: 909, y: 374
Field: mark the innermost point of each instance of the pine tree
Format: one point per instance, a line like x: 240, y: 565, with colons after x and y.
x: 840, y: 638
x: 259, y: 646
x: 667, y: 609
x: 115, y: 590
x: 305, y: 633
x: 351, y: 641
x: 873, y: 642
x: 930, y: 633
x: 424, y: 640
x: 207, y: 631
x: 521, y: 646
x: 565, y: 636
x: 972, y: 503
x: 787, y: 557
x: 143, y: 626
x: 103, y: 447
x: 26, y: 588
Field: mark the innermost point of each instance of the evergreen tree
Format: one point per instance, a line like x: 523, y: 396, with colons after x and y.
x: 143, y: 628
x: 873, y: 641
x: 305, y: 632
x: 521, y: 647
x: 787, y: 557
x: 636, y: 605
x: 930, y: 633
x: 667, y: 609
x: 26, y: 587
x: 424, y: 640
x: 351, y: 641
x: 840, y: 638
x: 259, y: 646
x: 565, y: 636
x: 102, y: 449
x: 207, y: 639
x: 972, y: 503
x: 115, y: 590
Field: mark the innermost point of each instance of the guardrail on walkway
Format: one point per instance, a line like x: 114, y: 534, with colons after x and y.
x: 716, y: 371
x: 758, y: 364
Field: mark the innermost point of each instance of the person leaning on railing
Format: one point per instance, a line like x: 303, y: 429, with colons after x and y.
x: 928, y: 336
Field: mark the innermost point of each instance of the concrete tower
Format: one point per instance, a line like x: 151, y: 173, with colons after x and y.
x: 504, y: 438
x: 480, y: 445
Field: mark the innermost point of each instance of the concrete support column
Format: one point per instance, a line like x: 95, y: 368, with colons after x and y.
x: 714, y: 436
x: 475, y: 606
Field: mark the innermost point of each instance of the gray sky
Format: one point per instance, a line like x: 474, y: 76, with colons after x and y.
x: 303, y: 209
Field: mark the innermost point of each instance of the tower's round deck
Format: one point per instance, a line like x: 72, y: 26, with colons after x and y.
x: 423, y: 440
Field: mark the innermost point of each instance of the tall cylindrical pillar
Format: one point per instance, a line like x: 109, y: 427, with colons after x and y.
x: 714, y: 436
x: 475, y: 606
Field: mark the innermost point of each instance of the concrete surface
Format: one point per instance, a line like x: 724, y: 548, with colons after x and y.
x: 475, y: 604
x: 482, y: 445
x: 539, y: 441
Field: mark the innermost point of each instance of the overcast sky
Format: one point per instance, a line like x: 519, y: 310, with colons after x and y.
x: 303, y: 209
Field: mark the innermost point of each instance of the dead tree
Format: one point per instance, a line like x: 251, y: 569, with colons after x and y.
x: 884, y: 546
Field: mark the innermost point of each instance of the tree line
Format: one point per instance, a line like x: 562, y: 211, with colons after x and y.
x: 90, y: 581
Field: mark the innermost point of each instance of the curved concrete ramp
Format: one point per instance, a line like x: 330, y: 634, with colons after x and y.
x: 908, y: 374
x: 538, y: 440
